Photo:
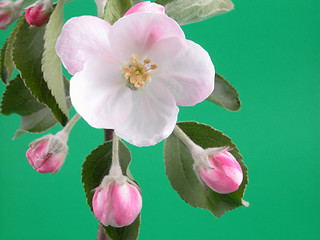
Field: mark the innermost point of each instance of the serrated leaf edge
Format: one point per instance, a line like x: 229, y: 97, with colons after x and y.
x: 64, y: 109
x: 243, y: 166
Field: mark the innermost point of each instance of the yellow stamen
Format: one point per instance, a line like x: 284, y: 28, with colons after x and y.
x: 153, y: 66
x: 147, y: 61
x: 138, y: 73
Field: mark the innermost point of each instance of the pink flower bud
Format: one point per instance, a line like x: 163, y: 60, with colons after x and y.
x: 117, y: 204
x: 146, y: 6
x: 224, y: 174
x: 39, y: 13
x: 9, y: 12
x: 47, y: 154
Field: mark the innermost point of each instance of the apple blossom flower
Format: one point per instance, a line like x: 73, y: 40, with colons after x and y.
x: 131, y: 76
x: 224, y: 174
x: 47, y: 154
x: 116, y: 203
x: 39, y: 13
x: 146, y: 6
x: 10, y: 12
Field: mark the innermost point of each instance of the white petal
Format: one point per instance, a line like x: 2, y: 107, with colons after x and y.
x: 81, y: 39
x: 136, y: 33
x: 153, y: 116
x: 185, y: 68
x: 100, y: 96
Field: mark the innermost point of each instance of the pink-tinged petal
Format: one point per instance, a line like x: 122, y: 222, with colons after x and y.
x: 137, y: 33
x: 31, y: 156
x: 42, y: 148
x: 225, y: 162
x: 218, y: 181
x: 52, y: 163
x: 37, y: 153
x: 226, y: 173
x: 100, y: 96
x: 82, y: 38
x: 5, y: 19
x: 101, y: 202
x: 153, y: 116
x: 47, y: 154
x: 145, y: 6
x: 127, y: 204
x: 39, y: 13
x: 185, y: 68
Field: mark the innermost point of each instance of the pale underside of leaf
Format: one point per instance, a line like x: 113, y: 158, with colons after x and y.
x: 224, y: 94
x: 190, y: 11
x: 51, y: 64
x: 36, y: 122
x: 101, y: 4
x: 8, y: 63
x: 27, y: 54
x: 115, y: 9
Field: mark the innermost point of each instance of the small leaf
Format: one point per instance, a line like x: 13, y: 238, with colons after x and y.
x: 136, y: 1
x: 7, y: 65
x: 36, y: 122
x: 51, y: 64
x: 116, y: 9
x: 18, y: 99
x: 3, y: 68
x: 101, y: 5
x: 36, y: 117
x: 179, y: 169
x: 224, y: 94
x: 190, y: 11
x: 29, y: 2
x: 95, y: 167
x: 27, y: 55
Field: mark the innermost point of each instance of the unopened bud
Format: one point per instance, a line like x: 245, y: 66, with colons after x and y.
x: 146, y: 6
x: 223, y: 173
x: 47, y: 154
x: 9, y: 12
x: 39, y: 13
x: 116, y: 203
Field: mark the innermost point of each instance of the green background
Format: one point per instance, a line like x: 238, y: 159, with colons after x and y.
x: 269, y: 50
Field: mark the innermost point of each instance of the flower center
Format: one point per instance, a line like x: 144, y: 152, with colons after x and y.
x: 138, y: 73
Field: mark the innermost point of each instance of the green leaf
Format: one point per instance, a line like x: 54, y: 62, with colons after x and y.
x: 7, y: 65
x: 136, y: 1
x: 115, y: 9
x: 224, y: 94
x: 29, y: 2
x: 95, y: 167
x: 190, y: 11
x: 3, y: 68
x: 36, y: 122
x: 18, y: 99
x: 179, y: 169
x: 36, y: 117
x: 51, y: 64
x: 101, y: 5
x: 27, y: 55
